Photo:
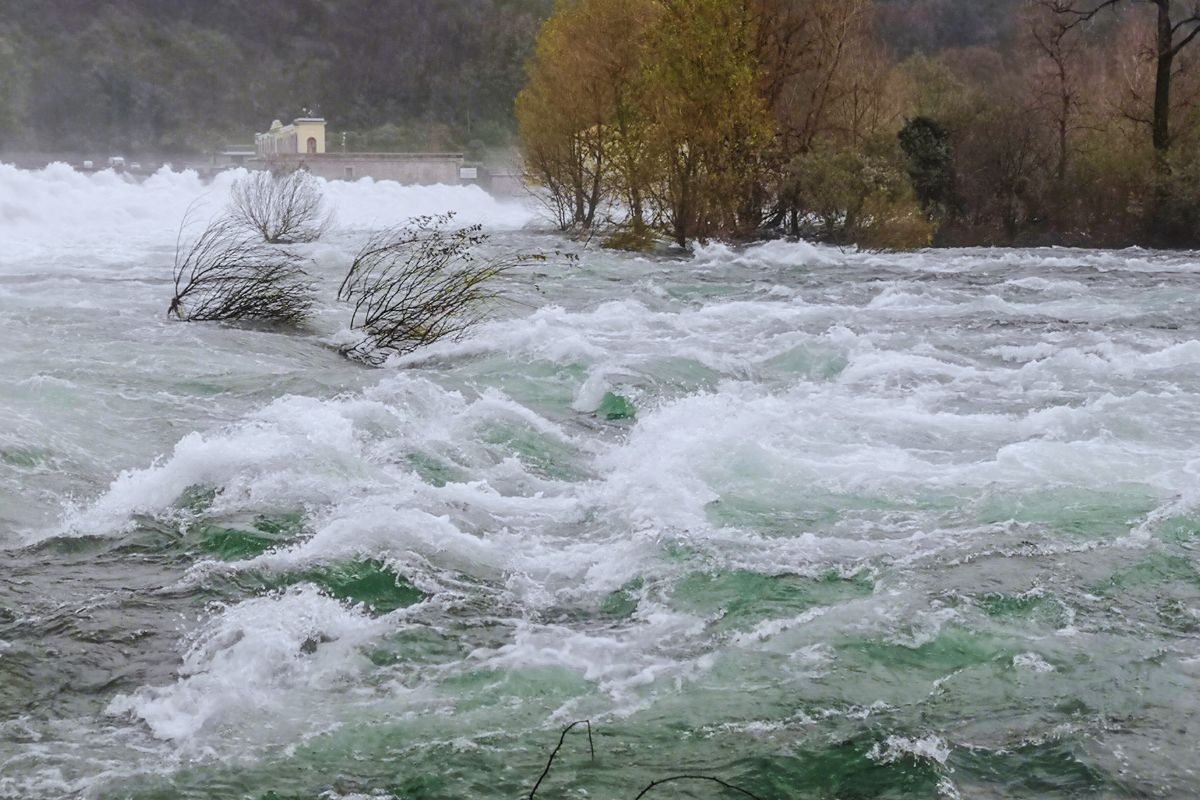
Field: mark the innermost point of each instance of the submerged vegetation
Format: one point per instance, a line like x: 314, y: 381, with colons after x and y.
x: 1046, y: 121
x: 408, y: 286
x: 282, y: 207
x: 419, y: 283
x: 226, y: 274
x: 650, y: 787
x: 230, y: 271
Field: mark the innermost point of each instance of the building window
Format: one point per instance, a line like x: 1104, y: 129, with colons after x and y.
x: 349, y: 173
x: 312, y: 145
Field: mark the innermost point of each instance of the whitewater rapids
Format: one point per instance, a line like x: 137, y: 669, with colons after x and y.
x: 818, y: 522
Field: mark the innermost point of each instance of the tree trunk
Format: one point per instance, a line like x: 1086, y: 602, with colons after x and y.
x: 1064, y: 119
x: 1162, y: 82
x: 636, y: 211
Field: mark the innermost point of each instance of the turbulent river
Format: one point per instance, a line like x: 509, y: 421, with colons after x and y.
x: 819, y: 523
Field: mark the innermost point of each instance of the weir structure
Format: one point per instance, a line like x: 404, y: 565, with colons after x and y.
x: 301, y: 145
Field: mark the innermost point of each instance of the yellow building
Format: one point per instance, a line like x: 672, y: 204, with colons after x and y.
x: 305, y: 136
x: 301, y: 145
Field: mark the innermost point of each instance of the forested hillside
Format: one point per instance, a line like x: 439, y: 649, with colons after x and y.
x: 910, y: 26
x: 183, y: 75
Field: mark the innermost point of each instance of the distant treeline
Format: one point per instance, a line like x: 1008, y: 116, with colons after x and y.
x: 887, y: 124
x: 129, y: 76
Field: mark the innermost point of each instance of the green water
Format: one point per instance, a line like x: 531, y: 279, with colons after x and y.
x: 842, y: 528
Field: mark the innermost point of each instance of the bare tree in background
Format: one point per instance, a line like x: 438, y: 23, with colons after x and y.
x: 284, y: 208
x: 1057, y: 89
x: 1174, y: 32
x: 227, y: 274
x: 419, y: 283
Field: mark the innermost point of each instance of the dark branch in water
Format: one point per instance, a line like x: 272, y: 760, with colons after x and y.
x: 730, y: 786
x: 653, y: 784
x: 226, y: 274
x: 419, y: 283
x: 553, y: 755
x: 283, y: 208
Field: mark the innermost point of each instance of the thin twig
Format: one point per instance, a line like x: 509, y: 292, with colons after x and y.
x: 283, y: 208
x: 553, y: 755
x: 418, y: 283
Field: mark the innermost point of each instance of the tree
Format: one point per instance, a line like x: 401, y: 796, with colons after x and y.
x: 419, y: 283
x: 708, y: 121
x: 859, y: 196
x: 1172, y: 35
x: 226, y: 274
x: 828, y: 82
x: 580, y: 138
x: 1057, y: 93
x: 811, y: 54
x: 283, y: 208
x: 930, y: 162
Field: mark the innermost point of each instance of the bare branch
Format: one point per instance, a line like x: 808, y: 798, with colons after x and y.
x: 553, y: 755
x: 284, y: 208
x: 1185, y: 41
x: 1070, y: 8
x: 1194, y: 19
x: 226, y: 274
x: 419, y: 283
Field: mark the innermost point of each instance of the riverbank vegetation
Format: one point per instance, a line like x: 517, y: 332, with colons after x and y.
x: 1069, y: 122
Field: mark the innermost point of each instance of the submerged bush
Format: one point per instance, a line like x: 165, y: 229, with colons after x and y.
x: 227, y: 274
x: 283, y: 208
x: 419, y: 283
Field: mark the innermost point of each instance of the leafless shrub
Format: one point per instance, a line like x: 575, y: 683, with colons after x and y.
x: 418, y: 283
x: 284, y: 208
x: 226, y: 273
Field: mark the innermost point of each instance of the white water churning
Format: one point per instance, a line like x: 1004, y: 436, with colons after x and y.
x: 820, y: 523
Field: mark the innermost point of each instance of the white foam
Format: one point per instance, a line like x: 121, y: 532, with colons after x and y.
x: 926, y: 748
x: 57, y: 210
x: 256, y: 658
x: 1032, y: 662
x: 778, y: 253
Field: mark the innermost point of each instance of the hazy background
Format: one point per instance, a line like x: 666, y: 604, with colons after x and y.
x: 185, y: 76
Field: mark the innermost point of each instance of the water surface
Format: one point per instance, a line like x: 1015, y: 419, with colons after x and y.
x: 824, y: 524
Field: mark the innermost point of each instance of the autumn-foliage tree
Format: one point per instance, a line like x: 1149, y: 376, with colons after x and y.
x: 1176, y: 26
x: 580, y: 134
x: 708, y: 122
x: 1053, y: 123
x: 690, y: 114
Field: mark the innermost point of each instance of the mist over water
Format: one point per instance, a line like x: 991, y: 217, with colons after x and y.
x: 820, y: 523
